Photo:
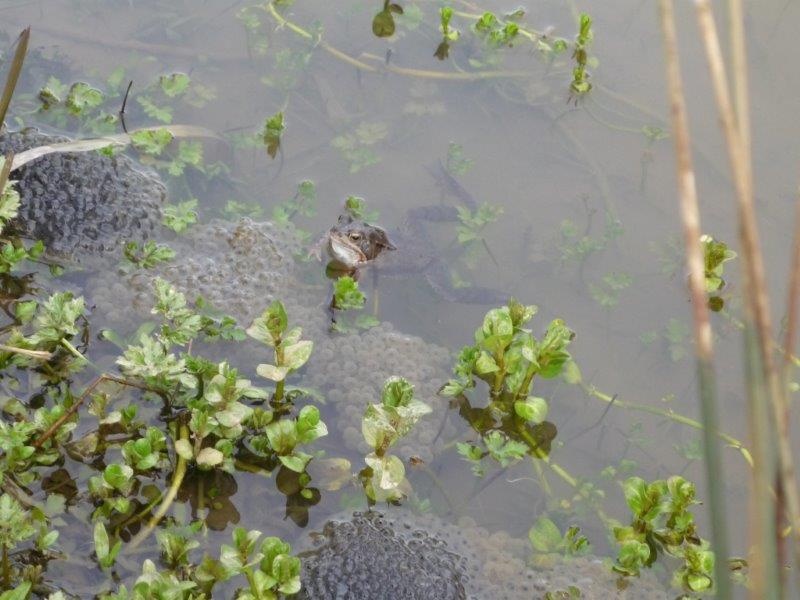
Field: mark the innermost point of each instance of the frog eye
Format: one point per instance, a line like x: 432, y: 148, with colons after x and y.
x: 355, y: 236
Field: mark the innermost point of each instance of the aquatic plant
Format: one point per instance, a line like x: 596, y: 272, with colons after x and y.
x: 507, y: 357
x: 290, y: 351
x: 382, y: 426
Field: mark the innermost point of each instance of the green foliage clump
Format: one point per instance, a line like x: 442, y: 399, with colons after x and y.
x: 291, y: 353
x: 382, y: 426
x: 663, y: 525
x: 550, y: 545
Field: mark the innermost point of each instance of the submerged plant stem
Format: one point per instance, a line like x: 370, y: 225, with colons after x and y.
x: 361, y: 65
x: 668, y: 414
x: 74, y: 408
x: 690, y: 215
x: 172, y: 492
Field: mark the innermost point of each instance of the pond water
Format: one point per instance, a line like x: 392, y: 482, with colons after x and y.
x: 589, y: 230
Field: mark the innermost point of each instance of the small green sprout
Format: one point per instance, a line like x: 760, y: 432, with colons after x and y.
x: 291, y: 352
x: 269, y: 568
x: 716, y: 254
x: 383, y: 22
x: 549, y: 545
x: 382, y: 426
x: 449, y: 34
x: 303, y: 203
x: 82, y: 97
x: 356, y: 147
x: 282, y: 437
x: 105, y: 552
x: 271, y: 134
x: 356, y: 207
x: 607, y: 292
x: 495, y: 32
x: 580, y: 76
x: 174, y: 84
x: 179, y: 217
x: 347, y: 295
x: 151, y: 141
x: 457, y: 163
x: 147, y: 255
x: 147, y: 452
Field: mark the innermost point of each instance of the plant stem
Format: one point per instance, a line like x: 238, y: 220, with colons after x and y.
x: 668, y: 414
x: 169, y: 497
x: 6, y: 569
x: 13, y: 73
x: 736, y: 133
x: 74, y: 408
x: 419, y: 73
x: 690, y: 215
x: 40, y: 354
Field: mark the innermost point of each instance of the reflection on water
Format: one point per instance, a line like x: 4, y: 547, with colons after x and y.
x: 587, y: 230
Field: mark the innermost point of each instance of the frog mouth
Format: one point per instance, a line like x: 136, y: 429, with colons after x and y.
x: 345, y: 251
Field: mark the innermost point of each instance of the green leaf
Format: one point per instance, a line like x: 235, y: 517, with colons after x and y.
x: 347, y: 295
x: 397, y: 391
x: 175, y: 84
x: 159, y: 113
x: 208, y: 458
x: 383, y: 23
x: 533, y: 409
x: 296, y: 355
x: 272, y: 372
x: 82, y: 96
x: 151, y: 141
x: 179, y: 217
x: 544, y: 536
x: 271, y: 134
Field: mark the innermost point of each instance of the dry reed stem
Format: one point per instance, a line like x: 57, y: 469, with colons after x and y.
x: 791, y: 304
x: 690, y: 217
x: 756, y: 298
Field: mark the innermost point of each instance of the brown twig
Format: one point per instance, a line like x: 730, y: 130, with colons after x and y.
x: 690, y: 217
x: 74, y: 408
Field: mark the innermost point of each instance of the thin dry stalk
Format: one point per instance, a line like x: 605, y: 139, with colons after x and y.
x: 757, y: 301
x: 791, y: 305
x: 690, y: 217
x: 13, y: 73
x: 5, y: 172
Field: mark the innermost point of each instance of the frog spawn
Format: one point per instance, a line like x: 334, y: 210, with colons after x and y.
x: 83, y: 202
x: 351, y: 371
x: 374, y: 555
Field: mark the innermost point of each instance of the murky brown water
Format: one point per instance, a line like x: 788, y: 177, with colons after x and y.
x: 539, y: 157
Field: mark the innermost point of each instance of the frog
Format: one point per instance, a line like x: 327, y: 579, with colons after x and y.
x: 354, y: 244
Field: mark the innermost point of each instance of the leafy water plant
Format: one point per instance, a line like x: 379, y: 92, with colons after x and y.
x: 357, y: 147
x: 663, y: 525
x: 179, y: 217
x: 715, y: 255
x: 290, y: 351
x: 580, y: 85
x: 549, y: 545
x: 383, y: 23
x: 271, y: 134
x: 507, y: 357
x: 449, y: 34
x: 382, y: 426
